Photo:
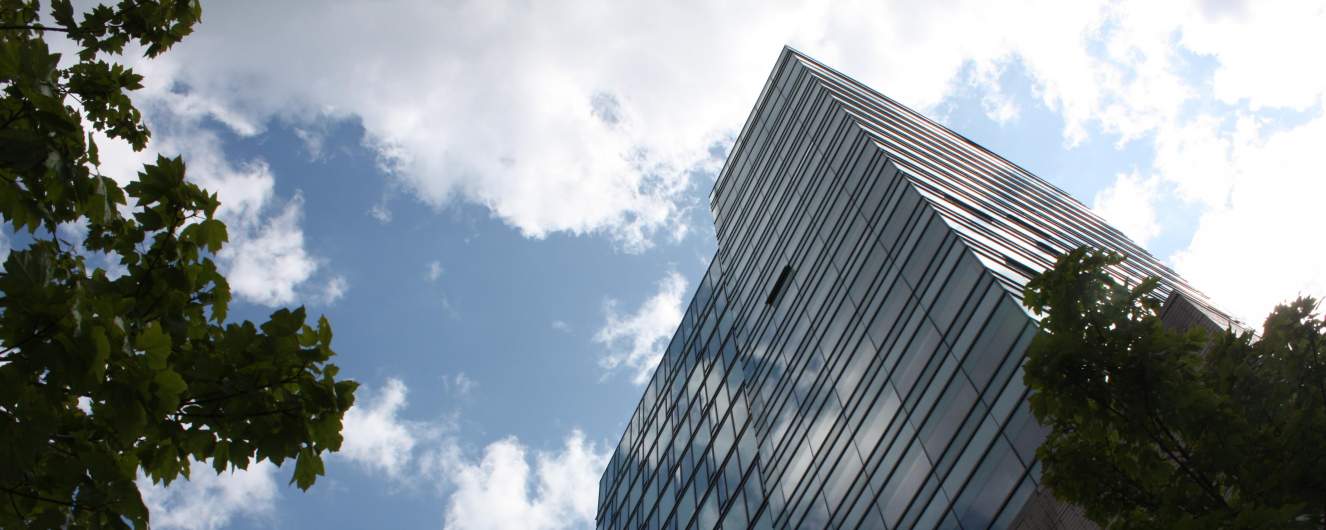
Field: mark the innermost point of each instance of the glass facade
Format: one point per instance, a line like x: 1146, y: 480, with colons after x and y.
x: 852, y: 357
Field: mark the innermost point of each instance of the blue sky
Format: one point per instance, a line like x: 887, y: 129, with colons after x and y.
x: 502, y: 206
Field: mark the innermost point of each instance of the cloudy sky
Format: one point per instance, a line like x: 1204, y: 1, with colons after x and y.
x: 501, y: 205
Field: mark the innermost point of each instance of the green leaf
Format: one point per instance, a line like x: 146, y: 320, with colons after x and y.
x: 221, y: 456
x: 22, y: 149
x: 324, y: 331
x: 169, y: 387
x: 155, y: 344
x: 214, y: 234
x: 308, y: 467
x: 140, y: 344
x: 1152, y: 427
x: 127, y: 417
x: 63, y: 13
x: 307, y: 337
x: 326, y: 431
x: 101, y: 353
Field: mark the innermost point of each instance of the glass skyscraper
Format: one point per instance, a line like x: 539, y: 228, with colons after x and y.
x: 852, y: 358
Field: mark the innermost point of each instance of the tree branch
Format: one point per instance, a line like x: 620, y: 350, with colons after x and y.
x: 231, y: 395
x: 1200, y: 478
x: 256, y: 414
x: 32, y: 27
x: 30, y: 338
x: 34, y: 496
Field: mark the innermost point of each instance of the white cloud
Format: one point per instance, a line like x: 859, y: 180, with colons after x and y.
x: 460, y: 385
x: 588, y: 117
x: 998, y: 106
x: 434, y: 271
x: 208, y: 501
x: 561, y: 325
x: 267, y: 264
x: 1255, y: 45
x: 637, y: 340
x: 502, y: 491
x: 4, y: 248
x: 1256, y: 182
x: 314, y: 137
x: 376, y: 437
x: 585, y: 117
x: 334, y: 290
x: 380, y: 213
x: 73, y: 232
x: 1256, y: 248
x: 498, y: 490
x: 1194, y: 157
x: 568, y: 117
x: 1129, y: 205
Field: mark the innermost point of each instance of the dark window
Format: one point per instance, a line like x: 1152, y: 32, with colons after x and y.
x: 778, y: 284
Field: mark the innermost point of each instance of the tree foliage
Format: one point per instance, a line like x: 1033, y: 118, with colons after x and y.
x: 105, y: 376
x: 1154, y: 428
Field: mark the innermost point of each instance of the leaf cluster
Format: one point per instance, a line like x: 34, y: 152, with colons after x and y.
x: 1151, y: 427
x: 104, y: 377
